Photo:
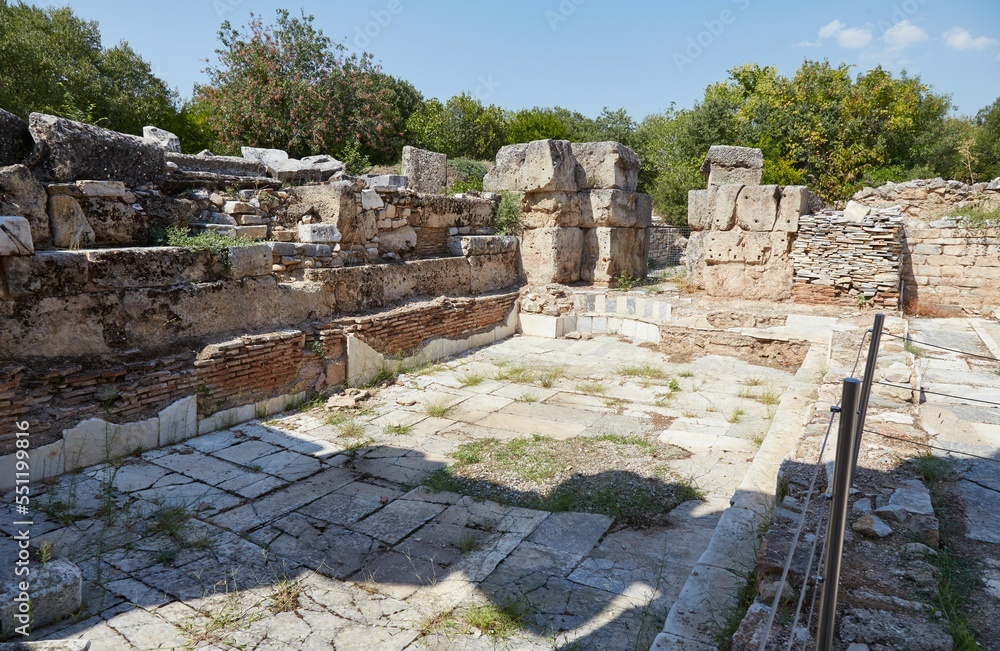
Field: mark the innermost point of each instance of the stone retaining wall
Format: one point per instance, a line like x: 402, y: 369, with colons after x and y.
x: 948, y: 266
x: 928, y: 199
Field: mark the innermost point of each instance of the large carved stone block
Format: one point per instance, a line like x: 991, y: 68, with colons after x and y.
x: 618, y: 209
x: 757, y: 207
x: 699, y: 214
x: 21, y: 194
x: 722, y: 202
x: 427, y: 171
x: 610, y: 253
x: 608, y: 165
x: 726, y: 165
x: 552, y: 255
x: 540, y: 166
x: 15, y: 139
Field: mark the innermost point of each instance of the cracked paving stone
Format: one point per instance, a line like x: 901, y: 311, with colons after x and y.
x: 400, y: 575
x: 527, y: 568
x: 574, y: 533
x: 397, y: 520
x: 330, y: 550
x: 146, y: 631
x: 201, y: 467
x: 191, y: 496
x: 290, y: 466
x: 254, y: 514
x: 247, y: 453
x: 352, y: 502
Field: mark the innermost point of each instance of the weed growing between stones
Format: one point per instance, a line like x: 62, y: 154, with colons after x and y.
x: 645, y: 370
x: 526, y: 397
x: 471, y: 379
x: 437, y: 409
x: 736, y: 416
x: 398, y: 430
x: 593, y: 388
x: 498, y: 621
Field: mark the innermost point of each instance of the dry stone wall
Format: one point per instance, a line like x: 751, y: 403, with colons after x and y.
x: 948, y: 266
x: 930, y: 198
x: 582, y: 218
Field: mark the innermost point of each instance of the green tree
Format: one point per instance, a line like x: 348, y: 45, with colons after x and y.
x: 462, y: 127
x: 985, y: 148
x: 52, y: 61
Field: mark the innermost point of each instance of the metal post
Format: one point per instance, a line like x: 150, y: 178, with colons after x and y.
x: 866, y: 389
x: 838, y: 513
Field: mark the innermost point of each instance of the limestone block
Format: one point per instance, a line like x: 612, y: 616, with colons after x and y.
x: 554, y: 209
x: 491, y: 273
x: 338, y: 203
x: 264, y: 156
x: 115, y: 223
x: 326, y: 166
x: 257, y: 233
x: 370, y: 200
x: 21, y: 194
x: 135, y: 268
x: 249, y: 261
x: 695, y: 259
x: 619, y: 209
x: 540, y: 166
x: 552, y: 255
x: 239, y: 208
x: 163, y: 138
x: 722, y: 202
x: 15, y: 236
x: 69, y: 226
x: 295, y: 171
x: 757, y: 207
x: 722, y: 247
x: 794, y: 204
x: 95, y: 441
x: 608, y: 165
x: 856, y: 212
x: 612, y: 252
x: 70, y: 151
x: 221, y: 165
x: 454, y: 212
x: 319, y: 234
x: 56, y: 594
x: 699, y: 215
x: 399, y: 241
x: 386, y: 181
x: 47, y: 273
x: 15, y: 139
x: 102, y: 189
x: 179, y: 421
x: 474, y: 245
x: 753, y: 282
x: 443, y: 276
x: 726, y: 165
x: 426, y: 170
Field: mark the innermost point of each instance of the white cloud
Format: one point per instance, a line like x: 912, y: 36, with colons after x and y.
x: 831, y: 29
x: 854, y: 37
x: 904, y: 34
x: 960, y: 39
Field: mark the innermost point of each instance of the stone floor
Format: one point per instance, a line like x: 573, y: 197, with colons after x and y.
x: 290, y: 535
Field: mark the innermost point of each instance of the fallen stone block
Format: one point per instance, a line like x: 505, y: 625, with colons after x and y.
x: 71, y: 151
x: 21, y: 194
x: 218, y: 165
x: 15, y: 139
x: 610, y: 253
x: 69, y: 226
x: 427, y: 171
x: 608, y: 165
x: 757, y: 207
x: 56, y: 594
x: 163, y: 138
x: 399, y: 241
x: 540, y: 166
x: 115, y: 223
x: 386, y: 181
x: 552, y: 255
x: 15, y: 236
x: 264, y: 156
x: 101, y: 189
x: 327, y: 166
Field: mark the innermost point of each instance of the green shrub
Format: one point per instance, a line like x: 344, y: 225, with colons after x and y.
x: 508, y: 218
x: 211, y: 241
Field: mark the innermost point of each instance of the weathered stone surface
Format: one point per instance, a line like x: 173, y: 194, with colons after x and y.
x: 399, y: 241
x: 326, y: 166
x: 470, y: 246
x: 856, y: 212
x: 56, y: 594
x: 699, y: 215
x: 102, y: 189
x: 47, y: 273
x: 426, y: 170
x: 148, y: 267
x: 15, y: 139
x: 386, y: 181
x: 296, y: 171
x: 794, y: 203
x: 722, y: 204
x: 552, y: 255
x: 70, y: 228
x: 319, y: 234
x: 741, y: 246
x: 227, y: 165
x: 608, y: 165
x: 447, y: 212
x: 724, y: 165
x: 264, y: 156
x: 21, y: 194
x: 115, y: 223
x: 695, y: 259
x: 757, y: 207
x: 15, y: 236
x: 893, y: 630
x: 492, y: 273
x: 337, y: 203
x: 618, y: 209
x: 552, y: 209
x: 370, y: 200
x: 610, y: 253
x: 70, y: 151
x: 163, y: 138
x: 540, y: 166
x: 249, y: 261
x: 164, y: 212
x: 750, y: 281
x: 872, y: 526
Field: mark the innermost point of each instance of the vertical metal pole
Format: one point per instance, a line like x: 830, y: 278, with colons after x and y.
x: 866, y: 389
x: 838, y: 513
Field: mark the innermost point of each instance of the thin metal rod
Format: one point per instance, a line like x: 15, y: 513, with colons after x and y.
x: 866, y: 388
x: 838, y: 513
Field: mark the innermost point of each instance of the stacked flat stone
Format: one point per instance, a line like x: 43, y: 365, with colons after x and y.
x: 839, y: 259
x: 582, y: 217
x: 928, y: 198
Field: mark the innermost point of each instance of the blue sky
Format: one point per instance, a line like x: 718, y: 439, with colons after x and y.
x: 587, y: 54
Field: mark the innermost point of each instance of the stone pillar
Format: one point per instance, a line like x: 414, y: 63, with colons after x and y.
x: 427, y: 171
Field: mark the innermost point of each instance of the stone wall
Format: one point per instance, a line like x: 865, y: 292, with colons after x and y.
x: 582, y: 218
x: 928, y: 199
x: 851, y: 261
x: 667, y: 244
x: 949, y: 266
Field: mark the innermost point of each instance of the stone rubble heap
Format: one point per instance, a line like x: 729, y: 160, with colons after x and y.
x: 842, y: 257
x: 581, y: 214
x: 930, y: 198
